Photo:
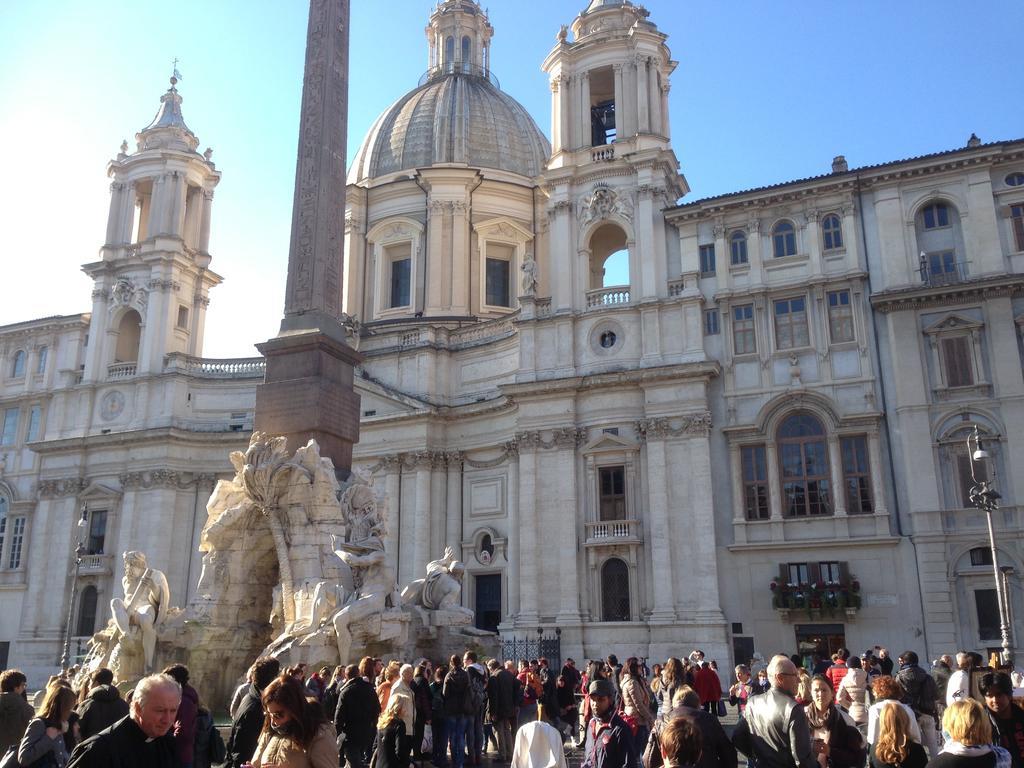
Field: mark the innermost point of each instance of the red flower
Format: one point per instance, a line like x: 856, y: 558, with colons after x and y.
x: 774, y: 585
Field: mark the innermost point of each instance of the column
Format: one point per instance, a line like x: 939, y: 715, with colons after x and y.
x: 564, y: 111
x: 126, y: 218
x: 739, y: 512
x: 155, y: 226
x: 661, y: 553
x: 586, y: 129
x: 643, y: 112
x: 177, y: 207
x: 453, y: 507
x: 663, y: 100
x: 835, y: 460
x: 568, y: 568
x: 393, y: 490
x: 643, y: 274
x: 435, y: 240
x: 204, y: 221
x: 512, y: 546
x: 574, y: 123
x: 556, y: 116
x: 527, y: 527
x: 654, y: 98
x: 461, y: 247
x: 705, y: 567
x: 774, y: 484
x: 421, y: 525
x: 629, y: 107
x: 114, y: 215
x: 620, y: 111
x: 877, y: 476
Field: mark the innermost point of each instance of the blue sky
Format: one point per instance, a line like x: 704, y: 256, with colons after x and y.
x: 764, y: 92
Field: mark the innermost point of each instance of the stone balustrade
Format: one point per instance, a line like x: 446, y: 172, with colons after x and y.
x: 603, y: 154
x: 122, y: 370
x: 612, y: 532
x: 95, y: 565
x: 209, y: 368
x: 610, y: 296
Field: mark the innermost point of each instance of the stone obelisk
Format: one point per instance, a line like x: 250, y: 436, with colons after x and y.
x: 308, y: 390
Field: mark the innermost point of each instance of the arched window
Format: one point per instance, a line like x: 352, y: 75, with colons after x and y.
x: 609, y: 257
x: 466, y: 53
x: 18, y: 366
x: 5, y: 506
x: 129, y: 333
x: 981, y: 556
x: 615, y: 591
x: 738, y: 247
x: 803, y: 462
x: 832, y: 232
x: 783, y: 239
x: 87, y: 612
x: 940, y: 243
x: 449, y: 53
x: 1015, y: 180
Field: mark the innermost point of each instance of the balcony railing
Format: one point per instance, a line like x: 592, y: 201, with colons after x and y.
x: 603, y: 154
x: 96, y: 565
x: 612, y: 532
x: 122, y: 370
x: 607, y: 297
x: 939, y: 272
x: 818, y: 599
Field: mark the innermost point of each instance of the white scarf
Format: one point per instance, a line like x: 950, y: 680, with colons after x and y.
x: 1003, y: 759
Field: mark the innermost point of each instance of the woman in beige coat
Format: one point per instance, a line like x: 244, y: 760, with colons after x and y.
x: 295, y: 733
x: 636, y: 702
x: 853, y: 694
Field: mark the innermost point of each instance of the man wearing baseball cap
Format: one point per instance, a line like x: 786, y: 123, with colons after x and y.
x: 609, y: 739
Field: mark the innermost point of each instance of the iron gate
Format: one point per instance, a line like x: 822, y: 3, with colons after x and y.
x: 528, y: 648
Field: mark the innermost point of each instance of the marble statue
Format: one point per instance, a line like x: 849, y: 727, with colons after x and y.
x: 441, y: 590
x: 531, y: 274
x: 146, y: 601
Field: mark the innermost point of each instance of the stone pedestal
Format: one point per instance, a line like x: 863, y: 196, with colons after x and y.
x: 308, y: 393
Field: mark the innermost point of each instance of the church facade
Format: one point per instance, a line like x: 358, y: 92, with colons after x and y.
x: 749, y: 437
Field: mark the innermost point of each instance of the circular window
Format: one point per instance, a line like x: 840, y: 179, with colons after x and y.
x: 607, y: 339
x: 1015, y: 180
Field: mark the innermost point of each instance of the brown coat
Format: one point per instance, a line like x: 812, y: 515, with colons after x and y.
x: 274, y: 750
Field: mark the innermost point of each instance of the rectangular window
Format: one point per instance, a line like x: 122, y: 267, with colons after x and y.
x: 738, y: 249
x: 34, y: 417
x: 829, y: 572
x: 41, y: 364
x: 97, y: 532
x: 183, y: 318
x: 710, y: 322
x: 707, y: 260
x: 986, y: 601
x: 755, y: 482
x: 3, y: 533
x: 798, y: 573
x: 956, y: 359
x: 856, y: 475
x: 743, y: 339
x: 981, y: 556
x: 840, y: 316
x: 400, y: 279
x: 17, y: 542
x: 612, y: 492
x: 1017, y: 219
x: 10, y: 433
x: 498, y: 269
x: 936, y: 215
x: 791, y: 323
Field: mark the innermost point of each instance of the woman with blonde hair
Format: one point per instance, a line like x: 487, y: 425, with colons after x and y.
x: 893, y: 747
x: 970, y: 739
x: 803, y: 686
x: 390, y: 674
x: 295, y: 733
x: 45, y: 733
x: 391, y: 750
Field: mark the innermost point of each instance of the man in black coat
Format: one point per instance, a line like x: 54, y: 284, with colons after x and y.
x: 502, y: 699
x: 141, y: 739
x: 717, y: 750
x: 103, y: 706
x: 248, y: 722
x: 356, y: 716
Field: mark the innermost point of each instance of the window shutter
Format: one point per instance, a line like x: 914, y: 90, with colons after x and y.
x: 956, y: 352
x: 783, y: 573
x: 813, y: 573
x: 844, y: 572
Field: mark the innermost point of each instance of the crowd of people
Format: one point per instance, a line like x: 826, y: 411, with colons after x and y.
x: 846, y: 712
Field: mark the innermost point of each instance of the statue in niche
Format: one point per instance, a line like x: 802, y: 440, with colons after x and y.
x: 146, y: 600
x: 441, y: 590
x: 362, y: 550
x: 531, y: 275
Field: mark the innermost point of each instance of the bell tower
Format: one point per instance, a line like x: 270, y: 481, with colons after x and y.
x: 152, y: 282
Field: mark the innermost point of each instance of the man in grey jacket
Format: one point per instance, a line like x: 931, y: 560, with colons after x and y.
x: 774, y: 729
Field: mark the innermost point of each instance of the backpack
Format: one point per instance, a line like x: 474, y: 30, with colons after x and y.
x: 477, y: 695
x: 218, y: 751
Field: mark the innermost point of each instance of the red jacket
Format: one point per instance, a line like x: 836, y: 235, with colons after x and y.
x: 836, y: 673
x: 707, y: 684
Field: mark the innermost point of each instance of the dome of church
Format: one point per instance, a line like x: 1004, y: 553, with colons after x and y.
x: 455, y: 117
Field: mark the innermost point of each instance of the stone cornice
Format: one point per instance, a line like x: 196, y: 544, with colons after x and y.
x: 704, y: 370
x: 845, y: 541
x: 157, y: 435
x: 921, y: 297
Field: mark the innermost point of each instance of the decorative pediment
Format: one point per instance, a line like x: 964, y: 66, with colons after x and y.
x: 394, y: 229
x: 606, y: 442
x: 98, y: 492
x: 503, y: 227
x: 954, y: 322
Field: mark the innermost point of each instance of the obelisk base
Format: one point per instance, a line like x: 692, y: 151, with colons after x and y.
x: 308, y: 394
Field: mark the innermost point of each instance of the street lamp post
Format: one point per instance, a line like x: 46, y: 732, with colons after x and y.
x: 79, y: 552
x: 986, y: 498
